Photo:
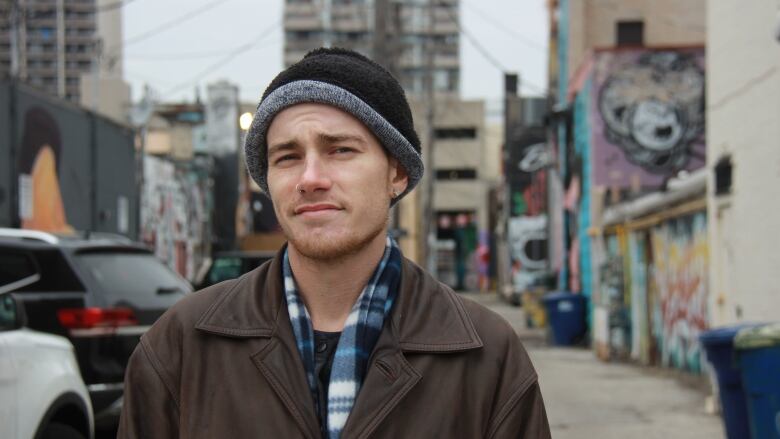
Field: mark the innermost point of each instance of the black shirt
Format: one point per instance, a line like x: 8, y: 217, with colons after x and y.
x: 325, y: 344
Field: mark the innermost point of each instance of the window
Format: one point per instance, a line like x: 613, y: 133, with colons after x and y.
x: 455, y: 133
x: 8, y: 316
x: 630, y: 33
x: 15, y: 266
x: 130, y: 276
x: 456, y: 174
x: 723, y: 176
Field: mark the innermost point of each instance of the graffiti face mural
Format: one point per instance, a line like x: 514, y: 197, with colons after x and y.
x: 645, y: 116
x: 40, y: 199
x: 654, y: 109
x: 528, y: 247
x: 536, y: 157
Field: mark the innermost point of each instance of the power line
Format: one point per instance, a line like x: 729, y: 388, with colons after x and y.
x: 171, y: 23
x: 522, y: 38
x: 224, y: 60
x: 189, y: 55
x: 484, y: 52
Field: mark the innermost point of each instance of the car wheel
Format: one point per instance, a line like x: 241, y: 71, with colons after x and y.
x: 60, y: 431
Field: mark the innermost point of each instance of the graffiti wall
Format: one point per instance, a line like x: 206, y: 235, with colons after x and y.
x: 654, y: 292
x: 680, y: 289
x: 640, y: 325
x: 175, y: 213
x: 647, y: 116
x: 582, y: 177
x: 526, y: 174
x: 527, y: 237
x: 63, y: 170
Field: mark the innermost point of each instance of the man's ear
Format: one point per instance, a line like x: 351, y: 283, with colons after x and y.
x: 399, y: 179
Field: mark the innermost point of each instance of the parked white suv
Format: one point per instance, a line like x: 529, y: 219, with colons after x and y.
x: 42, y: 395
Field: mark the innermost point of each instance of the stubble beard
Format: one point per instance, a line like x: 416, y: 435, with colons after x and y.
x: 334, y: 247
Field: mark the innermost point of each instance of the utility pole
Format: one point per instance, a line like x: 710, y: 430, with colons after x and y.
x: 428, y: 219
x: 16, y: 18
x: 385, y: 50
x: 380, y: 33
x: 61, y: 48
x: 326, y: 16
x: 387, y: 28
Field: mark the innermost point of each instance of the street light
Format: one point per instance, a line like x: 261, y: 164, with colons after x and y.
x: 245, y: 121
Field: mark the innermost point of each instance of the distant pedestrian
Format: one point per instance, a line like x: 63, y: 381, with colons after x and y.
x: 339, y: 335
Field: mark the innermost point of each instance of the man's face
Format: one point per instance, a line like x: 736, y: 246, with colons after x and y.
x: 330, y: 180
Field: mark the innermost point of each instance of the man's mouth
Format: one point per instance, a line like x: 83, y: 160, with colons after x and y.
x: 316, y: 208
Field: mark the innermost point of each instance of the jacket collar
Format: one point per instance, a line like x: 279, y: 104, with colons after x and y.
x: 428, y: 317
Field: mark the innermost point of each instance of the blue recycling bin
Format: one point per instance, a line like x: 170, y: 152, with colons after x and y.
x: 758, y: 353
x: 719, y: 346
x: 566, y: 316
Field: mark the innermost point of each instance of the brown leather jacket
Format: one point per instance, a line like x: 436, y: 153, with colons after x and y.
x: 223, y: 363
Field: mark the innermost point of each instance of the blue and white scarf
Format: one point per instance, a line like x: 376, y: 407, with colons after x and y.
x: 357, y: 340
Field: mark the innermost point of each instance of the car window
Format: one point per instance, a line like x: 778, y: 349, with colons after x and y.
x: 15, y: 266
x: 48, y: 268
x: 224, y: 269
x: 7, y: 312
x: 130, y: 274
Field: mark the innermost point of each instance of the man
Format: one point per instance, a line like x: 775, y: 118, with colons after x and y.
x: 339, y: 335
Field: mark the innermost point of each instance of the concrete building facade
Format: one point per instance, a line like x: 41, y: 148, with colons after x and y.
x: 743, y: 157
x: 392, y: 32
x: 463, y: 178
x: 71, y: 49
x: 55, y: 43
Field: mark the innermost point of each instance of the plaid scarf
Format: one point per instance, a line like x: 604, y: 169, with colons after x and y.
x: 357, y: 340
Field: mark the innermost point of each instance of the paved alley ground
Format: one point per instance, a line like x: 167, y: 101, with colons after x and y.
x: 587, y: 398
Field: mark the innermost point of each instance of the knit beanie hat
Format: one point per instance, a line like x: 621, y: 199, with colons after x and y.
x: 351, y: 82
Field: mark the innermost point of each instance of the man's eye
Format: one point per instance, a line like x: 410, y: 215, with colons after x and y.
x: 284, y: 158
x: 344, y: 149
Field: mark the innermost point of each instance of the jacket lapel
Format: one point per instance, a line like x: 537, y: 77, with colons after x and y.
x: 255, y: 308
x: 281, y: 365
x: 428, y: 318
x: 388, y: 379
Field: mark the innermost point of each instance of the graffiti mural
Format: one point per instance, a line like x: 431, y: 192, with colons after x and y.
x: 647, y: 116
x: 680, y: 259
x: 526, y: 174
x: 40, y: 155
x: 64, y: 170
x: 175, y: 214
x: 528, y: 248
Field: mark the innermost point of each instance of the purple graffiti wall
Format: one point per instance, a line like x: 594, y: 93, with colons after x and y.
x: 647, y: 116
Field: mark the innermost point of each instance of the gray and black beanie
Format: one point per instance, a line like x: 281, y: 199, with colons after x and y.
x: 351, y: 82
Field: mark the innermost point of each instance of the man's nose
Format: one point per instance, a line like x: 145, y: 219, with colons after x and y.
x: 315, y: 176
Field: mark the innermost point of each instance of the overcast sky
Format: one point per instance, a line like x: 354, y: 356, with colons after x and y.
x: 173, y: 61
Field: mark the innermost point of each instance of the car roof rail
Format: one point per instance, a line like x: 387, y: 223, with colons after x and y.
x: 35, y: 235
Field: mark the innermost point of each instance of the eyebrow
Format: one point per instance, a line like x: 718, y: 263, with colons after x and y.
x: 336, y: 138
x: 283, y: 146
x: 323, y: 138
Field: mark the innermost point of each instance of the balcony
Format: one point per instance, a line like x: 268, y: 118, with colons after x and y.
x: 80, y: 39
x: 302, y: 23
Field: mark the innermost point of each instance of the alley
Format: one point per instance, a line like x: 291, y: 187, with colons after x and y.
x: 587, y: 398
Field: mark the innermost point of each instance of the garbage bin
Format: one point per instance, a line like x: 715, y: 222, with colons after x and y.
x: 758, y: 354
x: 566, y: 316
x: 719, y: 346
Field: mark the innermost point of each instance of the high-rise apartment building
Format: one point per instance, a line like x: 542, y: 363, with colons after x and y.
x: 50, y: 44
x: 392, y: 32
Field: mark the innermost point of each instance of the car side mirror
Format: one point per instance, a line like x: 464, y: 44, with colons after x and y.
x: 12, y: 314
